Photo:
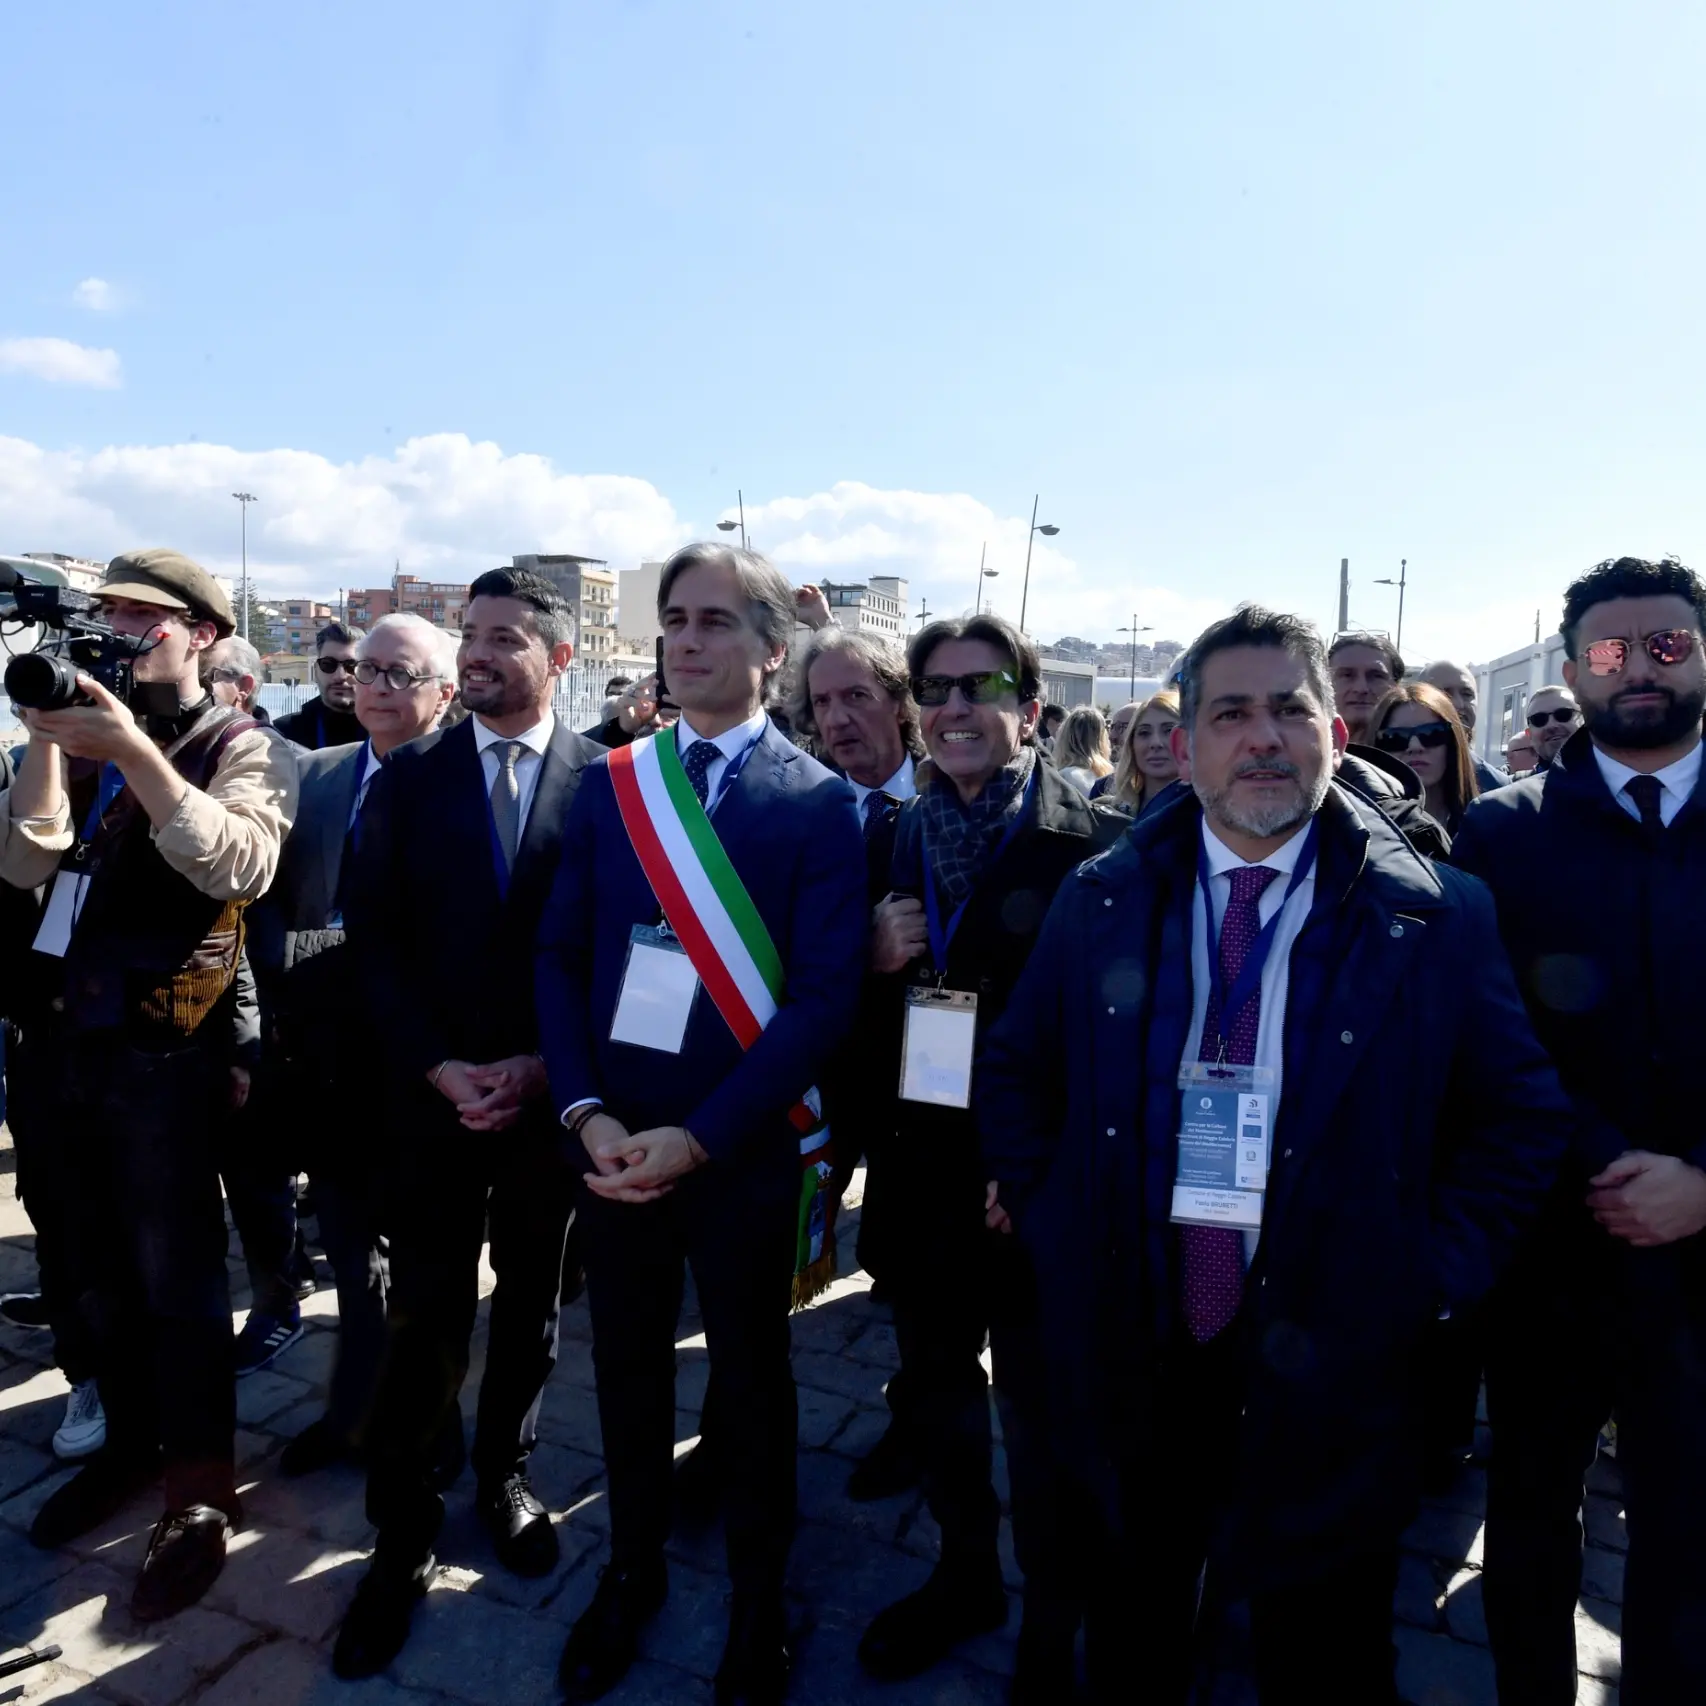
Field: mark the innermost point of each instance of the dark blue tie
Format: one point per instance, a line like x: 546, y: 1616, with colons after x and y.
x: 879, y: 808
x: 1646, y: 791
x: 697, y: 762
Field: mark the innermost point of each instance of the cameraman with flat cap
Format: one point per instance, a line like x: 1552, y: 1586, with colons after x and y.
x: 153, y: 821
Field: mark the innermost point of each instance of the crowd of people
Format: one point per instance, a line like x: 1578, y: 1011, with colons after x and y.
x: 1251, y: 1075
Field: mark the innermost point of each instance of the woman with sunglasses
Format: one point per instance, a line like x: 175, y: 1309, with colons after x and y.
x: 1147, y: 771
x: 1418, y: 724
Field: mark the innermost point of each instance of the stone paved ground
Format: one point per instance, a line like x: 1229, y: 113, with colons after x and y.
x: 482, y: 1638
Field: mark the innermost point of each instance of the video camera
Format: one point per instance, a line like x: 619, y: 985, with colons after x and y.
x: 46, y: 679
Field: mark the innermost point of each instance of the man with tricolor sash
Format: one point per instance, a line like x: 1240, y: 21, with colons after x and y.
x: 700, y: 959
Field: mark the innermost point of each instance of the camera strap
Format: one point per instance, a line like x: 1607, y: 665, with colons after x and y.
x: 71, y: 881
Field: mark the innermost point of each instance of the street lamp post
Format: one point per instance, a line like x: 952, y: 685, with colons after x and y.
x: 1048, y: 531
x: 924, y: 612
x: 1134, y: 631
x: 244, y: 499
x: 729, y: 526
x: 1403, y: 571
x: 983, y: 574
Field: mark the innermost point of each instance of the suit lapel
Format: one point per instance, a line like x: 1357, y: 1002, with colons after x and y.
x: 545, y: 815
x: 335, y: 800
x: 466, y: 811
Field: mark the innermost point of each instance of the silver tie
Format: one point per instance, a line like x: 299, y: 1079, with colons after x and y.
x: 506, y: 802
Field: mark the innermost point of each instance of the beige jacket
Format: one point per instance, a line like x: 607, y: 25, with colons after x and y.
x: 225, y: 841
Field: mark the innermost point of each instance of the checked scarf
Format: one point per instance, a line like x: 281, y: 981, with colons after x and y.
x: 960, y: 840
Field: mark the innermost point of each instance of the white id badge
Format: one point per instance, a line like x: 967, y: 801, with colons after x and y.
x: 1225, y: 1134
x: 658, y: 986
x: 936, y: 1051
x: 64, y: 902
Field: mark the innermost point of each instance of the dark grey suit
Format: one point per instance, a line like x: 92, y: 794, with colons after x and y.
x: 315, y: 1041
x: 444, y: 943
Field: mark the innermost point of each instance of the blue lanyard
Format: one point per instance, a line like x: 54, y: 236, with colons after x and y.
x: 941, y: 940
x: 1250, y: 973
x: 111, y: 786
x: 731, y: 769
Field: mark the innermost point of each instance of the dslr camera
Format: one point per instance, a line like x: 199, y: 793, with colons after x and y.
x: 46, y: 679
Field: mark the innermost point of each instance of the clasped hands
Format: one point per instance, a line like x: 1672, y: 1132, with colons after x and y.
x: 1648, y: 1199
x: 490, y: 1098
x: 641, y: 1166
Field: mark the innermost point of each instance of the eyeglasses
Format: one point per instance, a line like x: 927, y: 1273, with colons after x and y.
x: 1565, y: 714
x: 225, y: 674
x: 1431, y: 735
x: 331, y: 666
x: 982, y: 687
x: 1668, y: 647
x: 396, y: 676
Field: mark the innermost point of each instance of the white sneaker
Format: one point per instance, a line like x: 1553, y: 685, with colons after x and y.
x: 84, y: 1430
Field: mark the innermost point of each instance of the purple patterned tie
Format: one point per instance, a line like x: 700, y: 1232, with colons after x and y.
x: 1211, y: 1258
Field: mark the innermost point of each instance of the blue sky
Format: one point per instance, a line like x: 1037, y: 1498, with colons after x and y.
x: 1240, y: 289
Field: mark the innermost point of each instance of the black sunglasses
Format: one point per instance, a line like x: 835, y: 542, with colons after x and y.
x: 1431, y: 735
x: 331, y: 666
x: 395, y: 676
x: 1565, y: 714
x: 982, y: 687
x: 1668, y: 647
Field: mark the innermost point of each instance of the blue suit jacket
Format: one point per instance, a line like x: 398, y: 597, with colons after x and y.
x: 792, y: 832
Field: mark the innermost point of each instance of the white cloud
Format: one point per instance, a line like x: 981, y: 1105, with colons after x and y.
x: 61, y: 362
x: 935, y: 540
x: 445, y: 507
x: 96, y: 295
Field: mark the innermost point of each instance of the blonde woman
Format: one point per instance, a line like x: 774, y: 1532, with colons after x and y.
x: 1147, y: 768
x: 1081, y: 749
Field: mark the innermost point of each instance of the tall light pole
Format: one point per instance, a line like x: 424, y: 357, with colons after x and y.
x: 1403, y: 569
x: 244, y: 499
x: 983, y: 574
x: 1134, y: 631
x: 1048, y: 531
x: 729, y: 526
x: 924, y: 612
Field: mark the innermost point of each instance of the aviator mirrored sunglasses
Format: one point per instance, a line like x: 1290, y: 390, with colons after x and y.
x: 1431, y: 735
x: 1668, y: 647
x: 982, y: 687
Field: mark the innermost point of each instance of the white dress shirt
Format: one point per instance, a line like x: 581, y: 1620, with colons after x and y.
x: 368, y: 771
x: 1676, y: 782
x: 1276, y: 973
x: 529, y: 761
x: 730, y: 744
x: 901, y: 786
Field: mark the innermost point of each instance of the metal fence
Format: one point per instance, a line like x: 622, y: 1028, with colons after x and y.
x: 578, y: 699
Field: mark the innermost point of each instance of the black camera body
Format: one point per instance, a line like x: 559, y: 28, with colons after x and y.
x: 46, y: 679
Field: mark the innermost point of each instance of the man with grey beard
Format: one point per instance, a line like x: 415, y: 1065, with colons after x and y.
x: 1212, y: 1114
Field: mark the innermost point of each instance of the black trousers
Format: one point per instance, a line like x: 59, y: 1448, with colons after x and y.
x: 142, y: 1132
x: 1321, y: 1641
x: 259, y: 1169
x: 350, y: 1210
x: 50, y: 1185
x: 737, y: 1230
x: 438, y: 1216
x: 1579, y: 1328
x: 958, y: 1287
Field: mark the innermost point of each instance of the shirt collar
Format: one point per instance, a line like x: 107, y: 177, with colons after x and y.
x: 535, y: 739
x: 371, y: 768
x: 731, y: 743
x: 900, y: 787
x: 1679, y: 777
x: 1222, y: 859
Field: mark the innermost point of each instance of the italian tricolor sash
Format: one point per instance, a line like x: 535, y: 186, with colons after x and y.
x: 717, y: 924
